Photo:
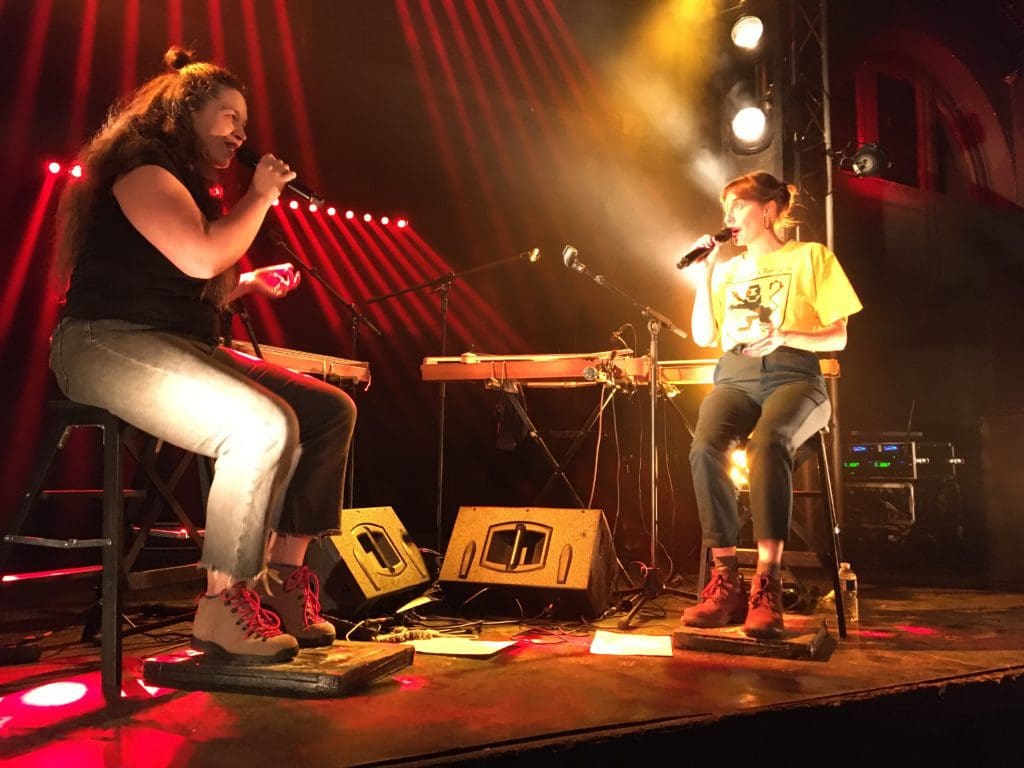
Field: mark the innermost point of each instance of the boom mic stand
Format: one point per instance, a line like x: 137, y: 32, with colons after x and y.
x: 442, y: 286
x: 358, y: 318
x: 653, y: 584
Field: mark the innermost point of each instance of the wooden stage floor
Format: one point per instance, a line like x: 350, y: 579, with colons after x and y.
x: 930, y: 674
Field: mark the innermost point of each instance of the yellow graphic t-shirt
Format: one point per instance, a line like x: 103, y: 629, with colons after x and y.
x: 799, y: 287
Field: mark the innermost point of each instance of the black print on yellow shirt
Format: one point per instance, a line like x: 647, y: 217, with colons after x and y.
x: 751, y: 303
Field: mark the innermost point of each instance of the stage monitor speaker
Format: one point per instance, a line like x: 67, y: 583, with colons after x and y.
x: 521, y: 560
x: 371, y: 568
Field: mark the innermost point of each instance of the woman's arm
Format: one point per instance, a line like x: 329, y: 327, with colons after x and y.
x: 831, y: 338
x: 161, y: 208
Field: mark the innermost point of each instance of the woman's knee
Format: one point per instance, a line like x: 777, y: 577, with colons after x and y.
x: 767, y: 441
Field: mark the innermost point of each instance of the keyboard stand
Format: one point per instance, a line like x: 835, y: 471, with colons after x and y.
x: 513, y: 391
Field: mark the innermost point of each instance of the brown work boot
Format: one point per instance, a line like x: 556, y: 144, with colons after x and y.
x: 232, y: 627
x: 764, y: 618
x: 723, y: 601
x: 296, y: 601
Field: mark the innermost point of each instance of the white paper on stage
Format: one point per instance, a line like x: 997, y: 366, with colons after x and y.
x: 614, y: 644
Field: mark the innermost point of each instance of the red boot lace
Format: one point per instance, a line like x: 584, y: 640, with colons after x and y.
x: 761, y: 594
x: 718, y: 588
x: 310, y: 584
x: 259, y: 622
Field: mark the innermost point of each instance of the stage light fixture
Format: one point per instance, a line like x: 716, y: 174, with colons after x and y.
x: 747, y: 32
x: 53, y: 167
x: 331, y: 210
x: 276, y: 203
x: 402, y: 223
x: 294, y: 205
x: 313, y: 208
x: 865, y: 161
x: 350, y: 214
x: 76, y: 171
x: 367, y: 218
x: 385, y: 220
x: 751, y: 129
x: 869, y: 160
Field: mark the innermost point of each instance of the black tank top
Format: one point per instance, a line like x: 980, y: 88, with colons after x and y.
x: 121, y: 275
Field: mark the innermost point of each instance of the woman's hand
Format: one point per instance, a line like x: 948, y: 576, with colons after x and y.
x: 270, y: 177
x: 707, y: 242
x: 773, y: 339
x: 272, y: 282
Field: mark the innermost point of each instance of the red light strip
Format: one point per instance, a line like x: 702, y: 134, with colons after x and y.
x: 433, y: 112
x: 29, y: 576
x: 83, y: 71
x: 130, y: 51
x: 299, y: 112
x: 175, y: 23
x: 28, y: 71
x: 217, y: 31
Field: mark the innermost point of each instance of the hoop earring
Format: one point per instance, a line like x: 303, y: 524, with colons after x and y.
x: 764, y: 220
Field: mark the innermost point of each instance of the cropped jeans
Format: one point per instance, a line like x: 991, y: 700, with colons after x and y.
x: 776, y: 403
x: 280, y: 440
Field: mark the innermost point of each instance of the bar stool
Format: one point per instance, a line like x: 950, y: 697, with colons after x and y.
x: 60, y: 419
x: 828, y: 556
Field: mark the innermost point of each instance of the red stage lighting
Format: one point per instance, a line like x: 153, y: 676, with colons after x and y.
x: 331, y: 210
x: 350, y: 214
x: 402, y: 223
x: 53, y: 167
x: 217, y: 191
x: 384, y: 220
x: 276, y: 202
x: 313, y: 208
x: 76, y: 171
x: 294, y: 205
x: 367, y: 218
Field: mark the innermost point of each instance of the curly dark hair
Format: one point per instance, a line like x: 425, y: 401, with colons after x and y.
x: 160, y: 110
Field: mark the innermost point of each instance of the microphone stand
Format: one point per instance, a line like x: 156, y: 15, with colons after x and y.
x: 358, y: 318
x: 653, y: 585
x: 442, y: 286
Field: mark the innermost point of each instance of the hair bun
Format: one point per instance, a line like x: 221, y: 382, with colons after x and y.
x: 177, y: 57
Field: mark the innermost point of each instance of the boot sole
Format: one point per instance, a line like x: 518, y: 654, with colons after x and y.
x: 769, y: 633
x: 315, y: 642
x: 215, y: 652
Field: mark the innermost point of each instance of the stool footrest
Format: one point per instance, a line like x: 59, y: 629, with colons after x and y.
x: 37, y: 541
x: 90, y: 493
x: 794, y: 558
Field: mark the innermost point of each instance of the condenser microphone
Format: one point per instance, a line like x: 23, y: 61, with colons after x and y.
x: 702, y: 251
x: 251, y: 158
x: 571, y: 259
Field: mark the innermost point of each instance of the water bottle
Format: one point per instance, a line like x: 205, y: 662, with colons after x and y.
x: 848, y: 580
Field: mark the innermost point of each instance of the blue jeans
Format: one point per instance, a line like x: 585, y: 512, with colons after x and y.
x: 280, y: 439
x: 776, y: 404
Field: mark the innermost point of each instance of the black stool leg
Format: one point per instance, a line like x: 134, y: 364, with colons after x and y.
x: 833, y: 553
x: 49, y: 444
x: 113, y: 519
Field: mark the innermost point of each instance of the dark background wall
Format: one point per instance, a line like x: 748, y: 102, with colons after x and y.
x: 499, y: 127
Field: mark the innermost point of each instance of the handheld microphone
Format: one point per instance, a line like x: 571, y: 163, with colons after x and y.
x: 702, y: 251
x: 251, y: 159
x: 571, y: 258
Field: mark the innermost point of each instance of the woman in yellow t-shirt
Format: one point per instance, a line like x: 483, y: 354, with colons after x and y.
x: 771, y: 308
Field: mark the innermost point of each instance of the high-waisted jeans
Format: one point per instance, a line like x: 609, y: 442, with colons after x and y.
x: 779, y: 402
x: 280, y: 440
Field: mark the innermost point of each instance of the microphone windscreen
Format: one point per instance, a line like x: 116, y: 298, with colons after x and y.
x: 247, y: 156
x: 569, y: 256
x: 724, y: 235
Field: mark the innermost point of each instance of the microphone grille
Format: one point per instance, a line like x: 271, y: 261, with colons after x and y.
x: 247, y: 156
